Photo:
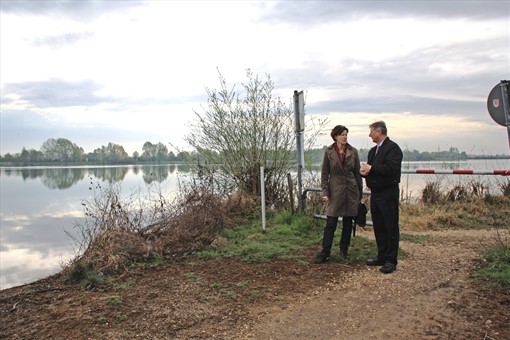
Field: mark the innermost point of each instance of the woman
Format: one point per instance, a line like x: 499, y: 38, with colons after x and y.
x: 342, y: 188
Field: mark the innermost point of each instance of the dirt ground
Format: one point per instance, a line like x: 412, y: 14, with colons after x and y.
x: 430, y: 296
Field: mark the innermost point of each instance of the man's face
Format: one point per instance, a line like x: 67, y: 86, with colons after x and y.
x: 375, y: 135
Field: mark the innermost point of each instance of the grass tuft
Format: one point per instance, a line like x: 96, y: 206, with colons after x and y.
x: 84, y: 274
x: 496, y: 266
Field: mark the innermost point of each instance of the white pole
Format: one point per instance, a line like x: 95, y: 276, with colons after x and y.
x: 263, y: 198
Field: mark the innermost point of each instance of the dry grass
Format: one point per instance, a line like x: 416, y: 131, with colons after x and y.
x: 117, y: 234
x: 466, y: 206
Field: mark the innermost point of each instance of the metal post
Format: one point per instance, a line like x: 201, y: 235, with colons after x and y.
x: 299, y: 120
x: 291, y: 192
x: 263, y: 198
x: 299, y: 165
x: 506, y: 105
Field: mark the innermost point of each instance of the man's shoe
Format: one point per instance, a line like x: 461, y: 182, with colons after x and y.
x: 321, y: 258
x: 344, y: 254
x: 388, y: 268
x: 374, y: 262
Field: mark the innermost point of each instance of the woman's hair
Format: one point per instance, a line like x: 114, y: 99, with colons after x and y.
x: 337, y: 130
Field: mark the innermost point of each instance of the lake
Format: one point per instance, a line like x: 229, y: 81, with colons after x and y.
x: 40, y: 206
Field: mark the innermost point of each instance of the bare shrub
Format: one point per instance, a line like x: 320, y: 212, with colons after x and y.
x: 431, y: 193
x: 118, y: 232
x: 505, y: 188
x: 241, y: 206
x: 434, y: 193
x: 458, y: 192
x: 242, y: 129
x: 200, y: 216
x: 461, y: 192
x: 112, y: 234
x: 477, y: 188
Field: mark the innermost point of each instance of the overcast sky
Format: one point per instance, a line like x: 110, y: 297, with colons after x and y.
x: 128, y: 72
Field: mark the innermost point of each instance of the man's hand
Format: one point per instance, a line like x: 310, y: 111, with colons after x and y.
x: 365, y: 169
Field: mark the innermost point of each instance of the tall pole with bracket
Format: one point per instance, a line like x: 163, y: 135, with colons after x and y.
x: 299, y: 117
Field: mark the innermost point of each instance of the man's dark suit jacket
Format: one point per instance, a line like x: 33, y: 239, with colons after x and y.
x: 385, y: 171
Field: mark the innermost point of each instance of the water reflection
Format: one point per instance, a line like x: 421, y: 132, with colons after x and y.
x: 65, y: 177
x: 109, y: 175
x: 158, y: 174
x: 61, y: 178
x: 40, y: 207
x: 29, y: 173
x: 34, y: 247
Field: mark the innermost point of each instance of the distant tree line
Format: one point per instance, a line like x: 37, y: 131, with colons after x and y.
x: 453, y: 154
x: 64, y: 151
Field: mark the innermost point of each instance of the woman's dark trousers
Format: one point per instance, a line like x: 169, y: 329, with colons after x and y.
x: 329, y: 233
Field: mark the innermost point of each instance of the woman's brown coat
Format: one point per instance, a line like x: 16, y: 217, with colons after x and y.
x: 341, y: 183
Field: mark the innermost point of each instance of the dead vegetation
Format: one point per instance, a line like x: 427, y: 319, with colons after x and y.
x: 117, y: 233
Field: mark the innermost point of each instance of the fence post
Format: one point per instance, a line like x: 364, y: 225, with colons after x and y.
x: 291, y: 191
x: 263, y: 198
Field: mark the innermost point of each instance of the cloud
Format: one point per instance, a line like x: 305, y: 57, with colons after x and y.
x: 76, y: 10
x: 321, y: 12
x: 59, y: 41
x: 395, y: 104
x: 54, y: 93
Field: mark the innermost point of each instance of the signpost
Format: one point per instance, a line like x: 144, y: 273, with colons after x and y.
x: 498, y: 105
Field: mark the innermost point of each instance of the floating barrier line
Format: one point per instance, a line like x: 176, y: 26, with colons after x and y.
x: 457, y: 172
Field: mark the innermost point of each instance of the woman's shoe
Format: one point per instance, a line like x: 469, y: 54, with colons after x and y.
x: 321, y: 258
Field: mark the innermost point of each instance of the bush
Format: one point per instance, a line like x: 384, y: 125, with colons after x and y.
x: 431, y: 193
x: 85, y: 274
x: 118, y: 233
x: 505, y: 188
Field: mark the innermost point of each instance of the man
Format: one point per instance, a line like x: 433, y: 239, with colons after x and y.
x: 382, y: 176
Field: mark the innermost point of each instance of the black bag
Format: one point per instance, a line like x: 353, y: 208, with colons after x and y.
x: 361, y: 218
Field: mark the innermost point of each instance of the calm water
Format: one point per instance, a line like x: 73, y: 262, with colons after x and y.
x: 39, y: 206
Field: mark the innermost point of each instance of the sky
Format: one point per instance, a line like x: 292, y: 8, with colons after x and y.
x: 128, y: 72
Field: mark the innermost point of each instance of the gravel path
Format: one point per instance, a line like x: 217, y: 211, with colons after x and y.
x: 430, y: 296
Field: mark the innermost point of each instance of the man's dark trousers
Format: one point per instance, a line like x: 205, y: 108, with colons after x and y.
x: 384, y: 203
